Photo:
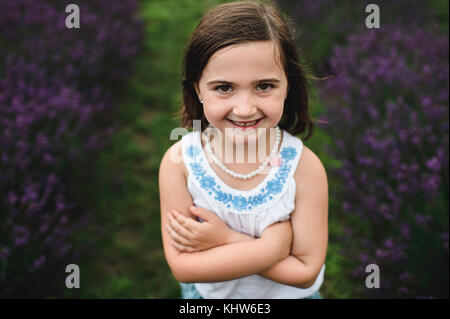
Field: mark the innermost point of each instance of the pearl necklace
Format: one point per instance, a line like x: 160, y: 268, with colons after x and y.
x: 238, y: 175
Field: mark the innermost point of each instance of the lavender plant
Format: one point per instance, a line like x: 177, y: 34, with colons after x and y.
x: 387, y: 108
x: 323, y: 24
x: 57, y: 92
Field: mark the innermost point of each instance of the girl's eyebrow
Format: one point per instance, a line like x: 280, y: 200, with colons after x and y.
x: 230, y: 83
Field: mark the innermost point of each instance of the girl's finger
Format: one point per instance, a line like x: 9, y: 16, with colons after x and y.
x: 183, y: 248
x: 186, y: 222
x: 176, y: 237
x: 178, y: 228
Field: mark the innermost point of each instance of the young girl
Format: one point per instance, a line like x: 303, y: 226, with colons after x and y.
x: 254, y: 227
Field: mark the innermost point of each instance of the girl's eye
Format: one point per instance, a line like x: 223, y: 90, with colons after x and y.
x: 265, y: 86
x: 222, y: 88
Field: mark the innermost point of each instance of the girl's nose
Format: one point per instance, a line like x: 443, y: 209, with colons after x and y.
x: 245, y: 108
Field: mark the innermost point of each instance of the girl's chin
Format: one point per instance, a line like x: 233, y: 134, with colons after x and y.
x: 243, y: 139
x: 239, y: 136
x: 248, y: 136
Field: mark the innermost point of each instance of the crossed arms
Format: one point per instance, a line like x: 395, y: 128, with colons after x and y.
x: 290, y: 253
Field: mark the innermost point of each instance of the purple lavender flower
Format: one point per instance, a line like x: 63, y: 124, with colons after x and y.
x: 388, y: 103
x: 53, y: 85
x: 37, y: 263
x: 4, y: 252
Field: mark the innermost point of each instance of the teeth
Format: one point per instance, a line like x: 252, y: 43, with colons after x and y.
x: 245, y: 124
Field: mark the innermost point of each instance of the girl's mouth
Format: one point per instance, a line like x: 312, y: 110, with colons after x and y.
x: 245, y: 125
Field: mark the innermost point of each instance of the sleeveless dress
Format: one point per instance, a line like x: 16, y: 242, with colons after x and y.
x: 249, y: 212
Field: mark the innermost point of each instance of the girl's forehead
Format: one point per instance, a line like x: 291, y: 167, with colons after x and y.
x: 251, y: 58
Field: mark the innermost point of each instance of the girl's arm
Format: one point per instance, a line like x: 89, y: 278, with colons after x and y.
x: 190, y: 235
x: 234, y: 261
x: 289, y: 271
x: 220, y: 263
x: 309, y: 224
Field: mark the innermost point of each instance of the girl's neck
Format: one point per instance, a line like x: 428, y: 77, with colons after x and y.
x: 247, y: 153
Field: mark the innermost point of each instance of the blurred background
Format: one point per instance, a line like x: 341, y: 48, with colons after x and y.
x: 85, y: 117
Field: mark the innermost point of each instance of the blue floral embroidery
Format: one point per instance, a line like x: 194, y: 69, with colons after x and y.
x: 192, y: 151
x: 274, y: 186
x: 198, y: 170
x: 288, y: 153
x: 239, y: 202
x: 207, y: 182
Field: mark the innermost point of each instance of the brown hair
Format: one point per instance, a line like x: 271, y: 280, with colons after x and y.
x: 238, y: 22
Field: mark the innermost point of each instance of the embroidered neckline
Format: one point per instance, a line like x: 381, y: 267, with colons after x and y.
x: 272, y: 171
x: 265, y: 191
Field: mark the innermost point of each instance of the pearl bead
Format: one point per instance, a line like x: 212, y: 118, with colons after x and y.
x: 261, y: 167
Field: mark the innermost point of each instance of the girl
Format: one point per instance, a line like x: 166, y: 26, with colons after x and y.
x: 244, y: 228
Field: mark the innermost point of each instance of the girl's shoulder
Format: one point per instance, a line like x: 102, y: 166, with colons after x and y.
x: 172, y: 160
x: 309, y: 169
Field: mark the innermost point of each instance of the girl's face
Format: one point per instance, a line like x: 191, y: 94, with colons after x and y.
x: 241, y: 84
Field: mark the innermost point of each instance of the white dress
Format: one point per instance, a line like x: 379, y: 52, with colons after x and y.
x: 248, y: 212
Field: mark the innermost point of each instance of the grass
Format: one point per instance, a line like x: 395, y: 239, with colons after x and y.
x: 129, y: 260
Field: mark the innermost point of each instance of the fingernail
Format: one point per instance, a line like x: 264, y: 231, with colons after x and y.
x: 192, y: 207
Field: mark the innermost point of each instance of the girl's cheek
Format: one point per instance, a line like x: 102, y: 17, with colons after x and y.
x: 214, y: 114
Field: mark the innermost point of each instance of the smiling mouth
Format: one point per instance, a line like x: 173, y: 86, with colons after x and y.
x: 247, y: 124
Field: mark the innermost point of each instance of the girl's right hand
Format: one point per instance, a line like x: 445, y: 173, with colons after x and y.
x: 189, y: 235
x: 280, y: 234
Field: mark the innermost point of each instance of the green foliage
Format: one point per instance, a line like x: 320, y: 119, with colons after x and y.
x: 168, y: 26
x: 441, y: 11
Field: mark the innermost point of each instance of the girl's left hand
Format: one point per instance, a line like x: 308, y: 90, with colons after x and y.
x: 189, y: 235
